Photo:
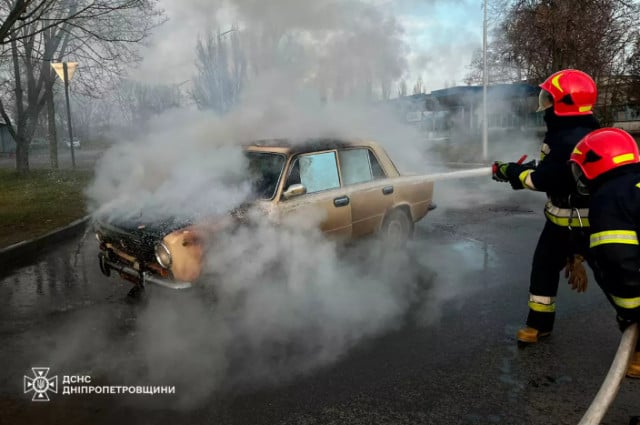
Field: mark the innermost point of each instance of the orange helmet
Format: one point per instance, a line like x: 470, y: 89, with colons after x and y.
x: 603, y: 150
x: 574, y: 92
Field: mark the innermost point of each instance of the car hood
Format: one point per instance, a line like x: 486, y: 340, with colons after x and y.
x: 157, y: 227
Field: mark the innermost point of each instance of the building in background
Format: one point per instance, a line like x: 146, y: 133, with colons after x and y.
x: 510, y: 107
x: 459, y: 109
x: 7, y: 143
x: 619, y: 102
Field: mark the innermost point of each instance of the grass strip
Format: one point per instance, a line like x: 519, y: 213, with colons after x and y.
x: 43, y: 200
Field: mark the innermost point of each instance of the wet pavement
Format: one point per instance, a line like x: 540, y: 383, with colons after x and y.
x: 451, y: 358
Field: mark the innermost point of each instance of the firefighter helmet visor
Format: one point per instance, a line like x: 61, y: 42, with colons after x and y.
x: 545, y: 100
x: 578, y: 176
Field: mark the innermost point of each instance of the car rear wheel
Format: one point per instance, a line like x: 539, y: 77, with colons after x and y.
x: 397, y: 229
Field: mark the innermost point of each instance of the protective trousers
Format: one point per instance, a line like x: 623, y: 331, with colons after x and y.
x: 555, y: 245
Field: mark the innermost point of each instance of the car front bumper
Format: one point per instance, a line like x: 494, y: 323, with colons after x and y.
x: 136, y: 276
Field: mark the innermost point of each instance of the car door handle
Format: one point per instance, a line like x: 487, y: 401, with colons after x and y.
x: 387, y: 190
x: 341, y: 201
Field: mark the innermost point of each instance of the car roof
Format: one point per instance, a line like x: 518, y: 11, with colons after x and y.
x: 286, y: 146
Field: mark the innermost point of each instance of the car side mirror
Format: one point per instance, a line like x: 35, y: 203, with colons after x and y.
x: 294, y: 190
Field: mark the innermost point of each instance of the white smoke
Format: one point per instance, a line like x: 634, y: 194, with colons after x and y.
x: 284, y: 299
x: 182, y: 167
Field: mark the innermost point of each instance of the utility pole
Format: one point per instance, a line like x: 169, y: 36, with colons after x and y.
x: 65, y: 71
x: 485, y: 82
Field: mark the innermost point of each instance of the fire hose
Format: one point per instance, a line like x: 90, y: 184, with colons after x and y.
x: 450, y: 175
x: 473, y: 172
x: 611, y: 384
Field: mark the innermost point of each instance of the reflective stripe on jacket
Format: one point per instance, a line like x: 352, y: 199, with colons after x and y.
x: 622, y: 237
x: 615, y: 241
x: 566, y: 217
x: 628, y: 237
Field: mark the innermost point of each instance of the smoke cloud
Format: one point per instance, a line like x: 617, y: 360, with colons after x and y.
x: 279, y: 299
x: 284, y: 298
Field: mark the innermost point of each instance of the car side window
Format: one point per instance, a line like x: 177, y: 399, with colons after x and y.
x: 359, y: 166
x: 317, y: 172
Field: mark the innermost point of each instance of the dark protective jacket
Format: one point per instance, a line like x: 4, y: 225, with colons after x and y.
x: 615, y: 223
x: 553, y: 175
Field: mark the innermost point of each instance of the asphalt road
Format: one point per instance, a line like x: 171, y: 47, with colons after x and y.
x: 449, y: 358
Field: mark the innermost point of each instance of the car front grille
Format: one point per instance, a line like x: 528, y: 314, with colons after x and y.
x: 138, y: 246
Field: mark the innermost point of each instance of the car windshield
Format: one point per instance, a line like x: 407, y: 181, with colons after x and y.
x: 264, y: 171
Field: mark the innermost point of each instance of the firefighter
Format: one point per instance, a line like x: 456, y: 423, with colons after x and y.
x: 606, y: 164
x: 567, y: 98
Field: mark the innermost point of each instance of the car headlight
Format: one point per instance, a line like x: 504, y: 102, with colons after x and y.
x: 163, y: 255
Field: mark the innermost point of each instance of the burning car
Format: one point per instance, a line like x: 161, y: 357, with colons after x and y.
x: 354, y: 185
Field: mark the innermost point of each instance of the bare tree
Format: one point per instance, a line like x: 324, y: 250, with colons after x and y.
x: 92, y: 116
x: 385, y: 89
x: 634, y: 75
x: 502, y: 65
x: 418, y: 87
x: 26, y: 18
x: 101, y: 35
x: 19, y: 16
x: 531, y: 39
x: 139, y: 101
x: 222, y: 71
x: 591, y: 35
x: 402, y: 88
x: 595, y: 36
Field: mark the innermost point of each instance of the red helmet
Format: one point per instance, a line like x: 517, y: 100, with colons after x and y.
x: 603, y: 150
x: 574, y: 92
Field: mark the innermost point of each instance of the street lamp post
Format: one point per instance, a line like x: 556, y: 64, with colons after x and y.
x: 485, y: 82
x: 65, y: 71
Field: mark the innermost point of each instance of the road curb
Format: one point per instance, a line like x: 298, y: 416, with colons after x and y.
x: 28, y: 249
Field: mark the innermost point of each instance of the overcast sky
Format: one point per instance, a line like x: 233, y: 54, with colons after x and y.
x: 440, y: 35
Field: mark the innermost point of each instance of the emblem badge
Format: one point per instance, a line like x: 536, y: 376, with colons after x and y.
x: 40, y: 384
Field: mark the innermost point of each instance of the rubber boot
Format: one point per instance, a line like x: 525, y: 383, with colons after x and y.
x: 529, y: 335
x: 634, y: 366
x: 539, y: 325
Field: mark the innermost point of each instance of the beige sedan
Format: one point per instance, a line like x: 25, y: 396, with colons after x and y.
x: 355, y: 187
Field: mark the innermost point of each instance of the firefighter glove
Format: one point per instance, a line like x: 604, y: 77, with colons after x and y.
x: 511, y: 171
x: 575, y: 273
x: 499, y: 171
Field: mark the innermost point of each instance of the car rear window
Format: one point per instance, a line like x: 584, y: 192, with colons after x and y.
x: 359, y: 166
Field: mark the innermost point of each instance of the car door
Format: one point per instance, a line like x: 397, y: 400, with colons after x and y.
x: 318, y: 173
x: 369, y: 191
